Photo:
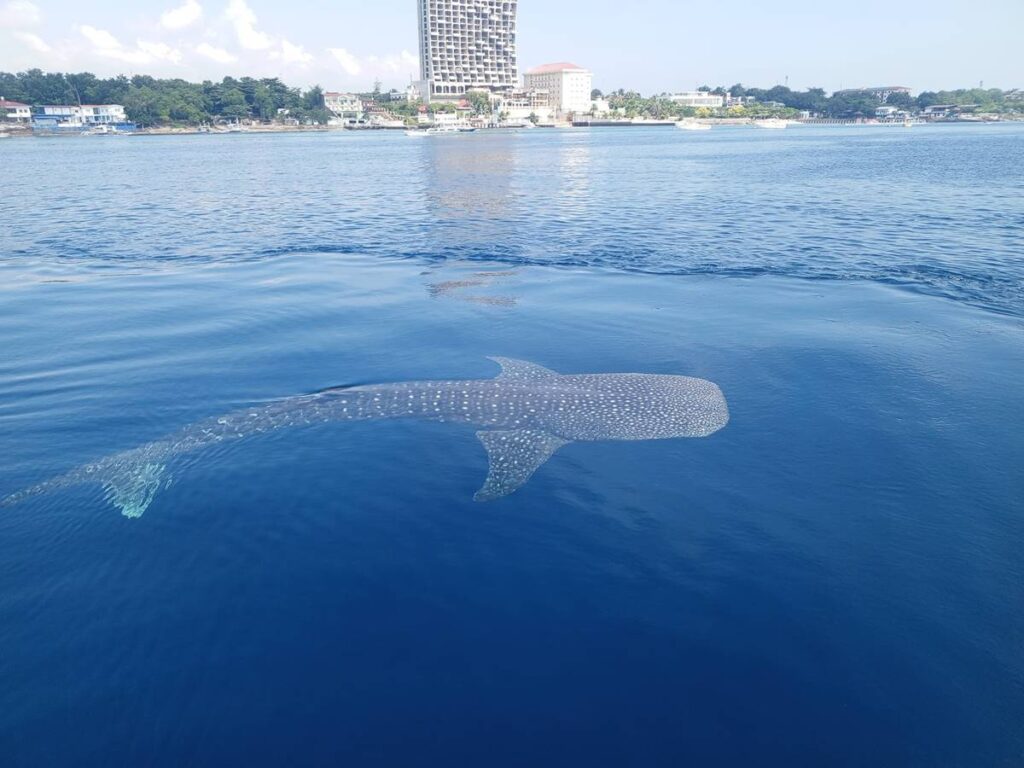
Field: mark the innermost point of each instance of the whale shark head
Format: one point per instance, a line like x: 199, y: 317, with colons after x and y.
x: 680, y: 406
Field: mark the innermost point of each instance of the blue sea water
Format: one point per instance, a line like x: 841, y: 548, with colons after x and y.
x: 836, y: 578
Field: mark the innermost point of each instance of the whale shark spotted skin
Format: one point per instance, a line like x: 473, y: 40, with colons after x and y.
x: 525, y: 414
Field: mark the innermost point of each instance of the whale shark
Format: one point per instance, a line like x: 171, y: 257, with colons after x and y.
x: 524, y: 416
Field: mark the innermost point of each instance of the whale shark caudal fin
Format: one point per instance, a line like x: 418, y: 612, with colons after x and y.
x: 521, y: 371
x: 514, y: 456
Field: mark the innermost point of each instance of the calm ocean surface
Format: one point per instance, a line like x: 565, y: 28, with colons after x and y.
x: 836, y: 578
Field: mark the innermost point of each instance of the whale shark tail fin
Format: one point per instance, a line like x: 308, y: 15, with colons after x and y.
x: 514, y: 456
x: 129, y: 486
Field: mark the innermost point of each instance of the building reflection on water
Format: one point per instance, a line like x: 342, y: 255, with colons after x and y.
x: 496, y: 200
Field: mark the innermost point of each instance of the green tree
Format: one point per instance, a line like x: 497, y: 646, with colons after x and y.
x: 900, y: 100
x: 232, y: 104
x: 314, y: 98
x: 480, y: 102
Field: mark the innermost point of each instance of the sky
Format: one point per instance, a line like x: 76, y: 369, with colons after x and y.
x: 651, y: 46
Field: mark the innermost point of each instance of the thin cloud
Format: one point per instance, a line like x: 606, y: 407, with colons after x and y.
x: 391, y: 65
x: 218, y: 55
x: 183, y: 16
x: 100, y: 38
x: 292, y: 54
x: 105, y: 44
x: 243, y: 19
x: 348, y: 62
x: 35, y: 42
x: 18, y: 14
x: 160, y: 51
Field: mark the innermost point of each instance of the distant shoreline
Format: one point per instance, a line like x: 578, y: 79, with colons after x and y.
x: 22, y: 132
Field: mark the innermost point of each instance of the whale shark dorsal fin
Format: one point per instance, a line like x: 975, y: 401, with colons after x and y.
x: 521, y: 370
x: 514, y: 456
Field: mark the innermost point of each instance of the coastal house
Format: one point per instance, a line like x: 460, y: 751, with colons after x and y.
x: 103, y: 114
x: 347, y: 107
x: 519, y: 105
x: 15, y: 111
x: 947, y: 111
x: 737, y: 101
x: 698, y: 99
x: 62, y: 118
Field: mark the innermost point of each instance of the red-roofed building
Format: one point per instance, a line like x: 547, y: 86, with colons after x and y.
x: 568, y: 86
x: 15, y: 111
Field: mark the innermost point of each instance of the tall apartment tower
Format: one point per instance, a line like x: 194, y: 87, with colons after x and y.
x: 467, y: 45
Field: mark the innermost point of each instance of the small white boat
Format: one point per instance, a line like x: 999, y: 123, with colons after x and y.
x: 450, y: 128
x: 5, y: 135
x: 771, y: 123
x: 689, y: 124
x: 416, y: 134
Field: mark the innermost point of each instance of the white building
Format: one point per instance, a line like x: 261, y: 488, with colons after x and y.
x: 568, y: 86
x: 737, y: 101
x: 103, y: 114
x: 15, y: 110
x: 466, y: 45
x: 697, y: 99
x: 346, y: 106
x: 520, y: 105
x: 86, y: 114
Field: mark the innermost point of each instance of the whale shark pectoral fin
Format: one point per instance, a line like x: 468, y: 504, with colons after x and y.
x: 133, y: 489
x: 514, y: 456
x: 521, y: 370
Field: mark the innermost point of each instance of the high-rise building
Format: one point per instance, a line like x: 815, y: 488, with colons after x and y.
x: 467, y: 45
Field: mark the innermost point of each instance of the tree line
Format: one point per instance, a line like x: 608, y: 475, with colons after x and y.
x: 842, y: 104
x: 153, y: 101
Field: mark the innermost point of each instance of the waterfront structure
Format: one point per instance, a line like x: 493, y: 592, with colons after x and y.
x: 737, y: 101
x: 79, y: 117
x: 520, y: 105
x: 466, y: 45
x: 85, y: 114
x: 698, y: 99
x: 103, y: 114
x: 568, y: 86
x: 345, y: 106
x: 882, y: 92
x: 15, y: 111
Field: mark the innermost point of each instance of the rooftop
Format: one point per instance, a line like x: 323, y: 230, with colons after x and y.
x: 6, y: 103
x: 548, y: 69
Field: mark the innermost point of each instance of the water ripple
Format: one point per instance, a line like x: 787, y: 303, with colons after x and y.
x: 938, y: 211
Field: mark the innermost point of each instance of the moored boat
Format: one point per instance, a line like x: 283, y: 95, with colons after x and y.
x: 689, y: 124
